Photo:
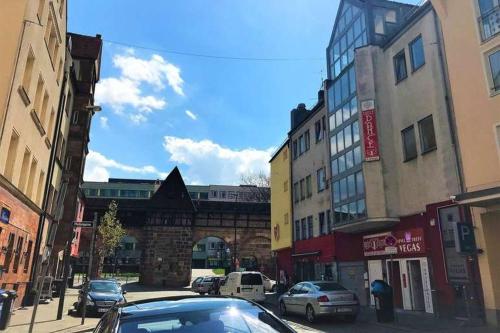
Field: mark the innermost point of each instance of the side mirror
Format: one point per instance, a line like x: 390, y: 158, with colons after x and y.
x: 124, y: 292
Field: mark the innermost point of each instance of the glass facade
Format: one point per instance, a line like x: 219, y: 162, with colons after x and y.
x: 348, y: 190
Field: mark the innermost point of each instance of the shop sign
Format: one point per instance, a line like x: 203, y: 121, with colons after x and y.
x: 5, y: 215
x: 464, y: 238
x: 407, y: 242
x: 370, y: 136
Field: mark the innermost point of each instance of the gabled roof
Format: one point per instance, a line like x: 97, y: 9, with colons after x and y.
x: 173, y: 193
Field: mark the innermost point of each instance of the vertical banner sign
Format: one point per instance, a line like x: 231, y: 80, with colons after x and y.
x: 370, y: 136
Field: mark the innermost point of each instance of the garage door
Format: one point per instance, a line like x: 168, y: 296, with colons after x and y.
x: 352, y: 277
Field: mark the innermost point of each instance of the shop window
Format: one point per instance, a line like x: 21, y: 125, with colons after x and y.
x: 400, y: 72
x: 11, y: 156
x: 427, y: 136
x: 409, y: 143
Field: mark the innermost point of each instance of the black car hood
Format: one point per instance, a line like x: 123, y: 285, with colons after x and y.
x: 100, y: 296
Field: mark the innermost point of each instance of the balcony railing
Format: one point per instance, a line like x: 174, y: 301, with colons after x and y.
x: 489, y: 23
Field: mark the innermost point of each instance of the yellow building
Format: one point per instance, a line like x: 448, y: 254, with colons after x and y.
x: 281, y: 214
x: 32, y: 69
x: 471, y: 34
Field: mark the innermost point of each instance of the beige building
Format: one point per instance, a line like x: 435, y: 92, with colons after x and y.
x: 32, y: 66
x: 471, y: 32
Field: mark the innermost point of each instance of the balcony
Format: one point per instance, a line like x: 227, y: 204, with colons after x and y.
x: 489, y: 23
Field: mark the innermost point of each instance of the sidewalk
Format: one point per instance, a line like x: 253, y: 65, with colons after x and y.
x: 46, y: 318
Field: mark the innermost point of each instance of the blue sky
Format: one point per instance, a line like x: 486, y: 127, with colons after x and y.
x: 214, y: 118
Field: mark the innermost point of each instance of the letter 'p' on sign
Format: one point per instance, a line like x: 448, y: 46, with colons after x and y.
x: 464, y: 238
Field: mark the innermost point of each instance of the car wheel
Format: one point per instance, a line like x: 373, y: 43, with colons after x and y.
x: 350, y: 318
x: 310, y: 315
x: 282, y: 308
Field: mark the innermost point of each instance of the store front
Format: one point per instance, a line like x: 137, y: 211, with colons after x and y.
x: 313, y: 259
x: 403, y: 265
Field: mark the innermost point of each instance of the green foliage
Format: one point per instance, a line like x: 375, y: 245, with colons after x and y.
x: 110, y: 231
x: 219, y: 271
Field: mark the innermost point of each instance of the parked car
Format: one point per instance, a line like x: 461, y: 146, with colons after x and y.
x: 101, y: 296
x: 320, y: 298
x: 196, y: 283
x: 215, y: 287
x: 269, y: 284
x: 248, y: 285
x: 190, y: 314
x: 205, y: 285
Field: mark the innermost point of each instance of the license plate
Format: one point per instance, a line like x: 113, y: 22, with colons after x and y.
x: 102, y: 310
x: 344, y: 310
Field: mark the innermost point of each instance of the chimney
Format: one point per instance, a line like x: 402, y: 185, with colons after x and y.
x: 321, y: 95
x: 298, y: 115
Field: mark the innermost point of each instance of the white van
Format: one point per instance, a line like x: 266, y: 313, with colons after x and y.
x: 248, y: 285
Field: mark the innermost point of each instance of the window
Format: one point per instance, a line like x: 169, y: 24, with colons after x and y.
x: 304, y: 229
x: 307, y: 138
x: 8, y: 254
x: 328, y: 221
x: 318, y: 131
x: 39, y: 191
x: 494, y: 60
x: 296, y: 194
x: 28, y: 257
x: 28, y: 71
x: 379, y: 23
x: 38, y: 94
x: 285, y: 218
x: 31, y: 179
x: 294, y: 148
x: 322, y: 227
x: 409, y: 143
x: 427, y: 137
x: 302, y: 189
x: 285, y: 186
x: 360, y: 184
x: 43, y: 109
x: 24, y: 170
x: 489, y: 13
x: 11, y: 156
x: 17, y: 256
x: 400, y: 72
x: 302, y: 145
x: 309, y: 186
x: 310, y: 233
x: 74, y: 118
x: 297, y: 230
x: 51, y: 124
x: 321, y: 179
x: 417, y: 53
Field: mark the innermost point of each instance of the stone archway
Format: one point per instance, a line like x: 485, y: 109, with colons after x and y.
x: 211, y: 252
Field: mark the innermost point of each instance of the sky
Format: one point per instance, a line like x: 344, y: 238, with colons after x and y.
x: 215, y: 118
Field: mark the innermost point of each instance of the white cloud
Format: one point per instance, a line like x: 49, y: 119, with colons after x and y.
x: 104, y: 122
x: 97, y: 168
x: 207, y: 162
x: 191, y: 115
x: 127, y: 90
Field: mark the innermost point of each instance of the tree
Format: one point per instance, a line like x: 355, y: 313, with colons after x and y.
x: 109, y: 234
x: 259, y: 184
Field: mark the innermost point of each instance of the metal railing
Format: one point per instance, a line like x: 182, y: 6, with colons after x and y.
x: 489, y: 23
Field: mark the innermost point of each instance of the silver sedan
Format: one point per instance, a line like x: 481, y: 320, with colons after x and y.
x: 320, y: 298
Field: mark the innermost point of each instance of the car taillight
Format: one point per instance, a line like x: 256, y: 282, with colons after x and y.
x: 323, y: 299
x: 238, y: 290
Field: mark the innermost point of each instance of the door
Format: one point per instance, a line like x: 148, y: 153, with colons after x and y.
x: 395, y: 277
x: 292, y: 299
x: 252, y: 286
x: 374, y: 273
x: 351, y: 276
x: 303, y: 298
x: 416, y: 287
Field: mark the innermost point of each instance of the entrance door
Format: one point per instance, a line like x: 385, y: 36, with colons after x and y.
x: 394, y: 273
x: 416, y: 288
x: 374, y: 273
x: 351, y: 276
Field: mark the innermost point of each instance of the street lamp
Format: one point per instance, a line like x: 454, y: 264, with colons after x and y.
x: 93, y: 108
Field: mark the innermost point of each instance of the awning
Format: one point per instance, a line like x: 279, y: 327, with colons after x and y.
x: 481, y: 198
x: 306, y: 254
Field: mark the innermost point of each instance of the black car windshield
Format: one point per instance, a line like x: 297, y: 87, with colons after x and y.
x: 251, y: 279
x: 104, y: 287
x: 216, y: 320
x: 328, y: 286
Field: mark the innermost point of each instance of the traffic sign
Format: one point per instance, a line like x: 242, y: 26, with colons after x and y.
x: 390, y: 240
x: 464, y: 238
x: 391, y: 250
x: 83, y: 224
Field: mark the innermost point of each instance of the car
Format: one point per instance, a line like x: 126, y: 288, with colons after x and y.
x: 101, y: 296
x: 205, y: 285
x: 269, y: 284
x: 190, y: 314
x: 248, y: 285
x: 196, y: 283
x: 319, y: 298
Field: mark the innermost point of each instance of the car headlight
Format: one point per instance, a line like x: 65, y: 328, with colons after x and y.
x: 89, y: 300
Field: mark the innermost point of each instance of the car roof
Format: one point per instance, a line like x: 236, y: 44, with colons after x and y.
x: 166, y: 305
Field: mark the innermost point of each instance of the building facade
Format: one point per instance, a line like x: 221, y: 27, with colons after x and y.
x: 281, y: 210
x: 471, y: 33
x: 32, y: 63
